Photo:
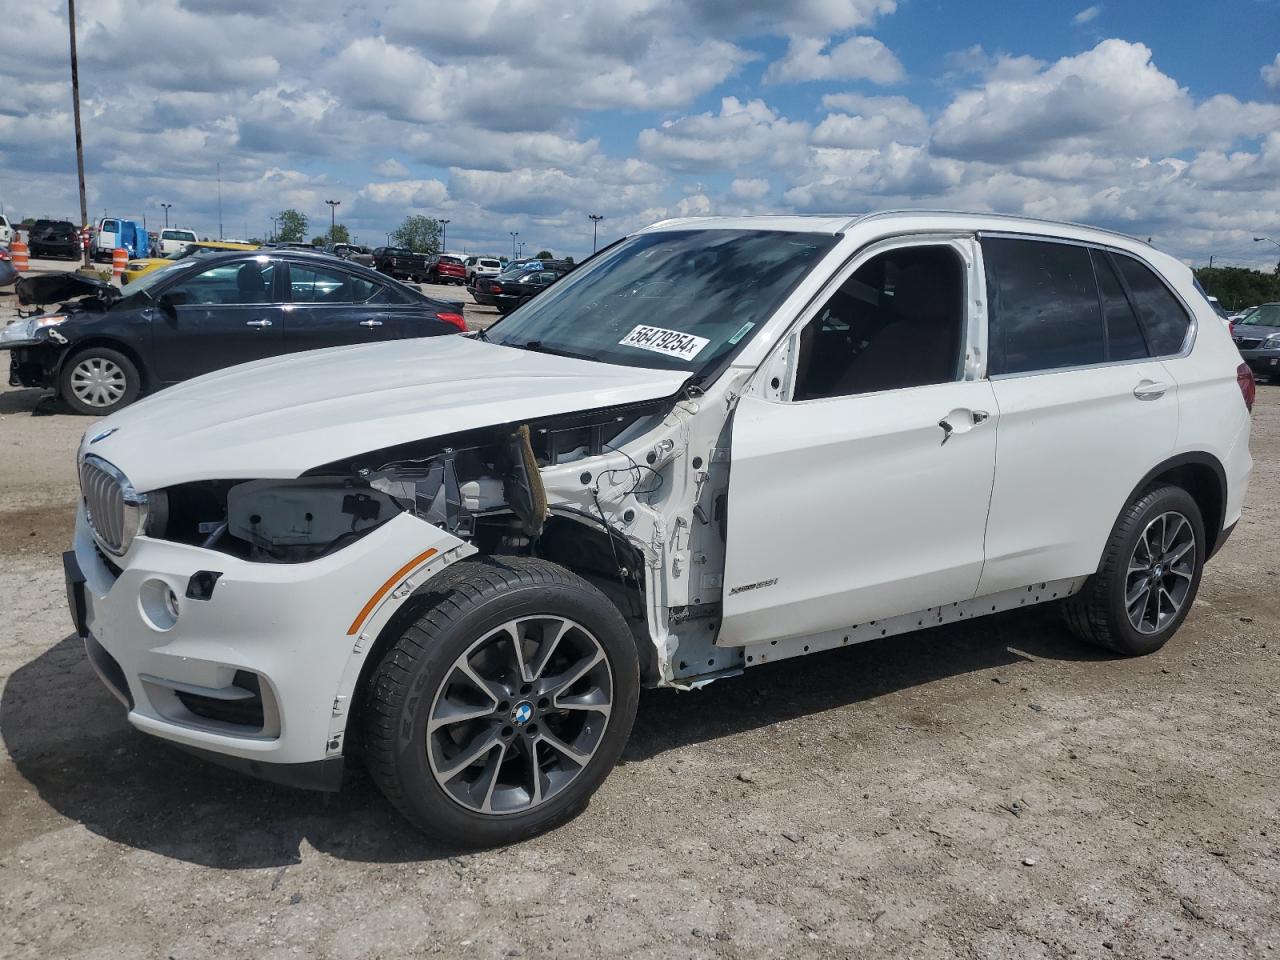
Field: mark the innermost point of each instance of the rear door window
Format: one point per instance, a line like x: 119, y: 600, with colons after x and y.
x: 1043, y: 306
x: 1163, y: 317
x: 321, y: 285
x: 1124, y: 335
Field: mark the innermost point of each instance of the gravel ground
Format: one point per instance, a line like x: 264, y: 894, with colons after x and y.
x: 990, y: 789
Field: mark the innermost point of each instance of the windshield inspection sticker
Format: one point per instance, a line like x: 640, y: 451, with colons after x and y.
x: 673, y: 343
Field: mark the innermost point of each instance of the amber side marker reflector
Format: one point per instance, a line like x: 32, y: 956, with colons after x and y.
x: 383, y: 590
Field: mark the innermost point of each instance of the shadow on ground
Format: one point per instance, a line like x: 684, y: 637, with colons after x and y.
x: 69, y: 739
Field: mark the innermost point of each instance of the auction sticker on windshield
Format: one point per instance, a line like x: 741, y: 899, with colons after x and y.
x: 673, y: 343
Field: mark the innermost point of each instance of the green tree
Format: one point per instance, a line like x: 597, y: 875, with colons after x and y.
x: 292, y: 226
x: 339, y: 234
x: 1239, y: 287
x: 544, y: 255
x: 420, y: 234
x: 317, y: 240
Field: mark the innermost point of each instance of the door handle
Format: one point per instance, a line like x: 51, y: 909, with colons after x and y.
x: 1150, y: 390
x: 961, y: 421
x: 370, y: 323
x: 257, y: 323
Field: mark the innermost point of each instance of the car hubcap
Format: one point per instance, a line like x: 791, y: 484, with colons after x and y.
x: 97, y: 382
x: 1160, y: 572
x: 520, y: 715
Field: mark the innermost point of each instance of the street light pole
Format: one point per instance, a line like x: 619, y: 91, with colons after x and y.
x: 1269, y: 240
x: 166, y: 214
x: 75, y: 104
x: 219, y: 199
x: 444, y: 235
x: 595, y: 219
x: 333, y: 217
x: 514, y: 234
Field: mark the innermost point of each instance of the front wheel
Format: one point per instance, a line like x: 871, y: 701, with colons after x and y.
x: 1148, y: 577
x: 502, y: 708
x: 98, y: 381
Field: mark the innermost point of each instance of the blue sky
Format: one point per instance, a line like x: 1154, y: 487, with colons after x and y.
x: 1157, y: 119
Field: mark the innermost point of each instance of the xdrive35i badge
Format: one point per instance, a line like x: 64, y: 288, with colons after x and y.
x: 753, y: 586
x: 103, y: 435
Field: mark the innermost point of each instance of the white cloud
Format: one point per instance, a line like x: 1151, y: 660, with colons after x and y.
x: 1271, y: 73
x: 1087, y: 14
x: 858, y: 58
x: 391, y: 168
x: 1111, y: 99
x: 743, y: 132
x: 869, y: 121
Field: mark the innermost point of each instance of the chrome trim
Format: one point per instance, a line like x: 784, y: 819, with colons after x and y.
x: 114, y: 510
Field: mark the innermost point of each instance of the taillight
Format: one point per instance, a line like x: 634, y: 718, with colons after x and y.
x: 1248, y: 386
x: 457, y: 319
x: 495, y: 288
x: 1231, y: 327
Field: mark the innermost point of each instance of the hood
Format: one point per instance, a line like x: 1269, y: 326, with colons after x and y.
x: 279, y: 418
x: 56, y: 287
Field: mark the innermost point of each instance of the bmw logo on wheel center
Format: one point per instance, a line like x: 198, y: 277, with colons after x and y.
x: 522, y: 713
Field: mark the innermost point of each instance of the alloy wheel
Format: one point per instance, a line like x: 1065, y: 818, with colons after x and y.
x: 519, y: 715
x: 1161, y: 571
x: 98, y: 382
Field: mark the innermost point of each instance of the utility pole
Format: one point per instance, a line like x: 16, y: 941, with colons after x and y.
x: 333, y: 216
x: 219, y: 199
x: 1211, y: 261
x: 75, y: 104
x: 595, y: 219
x: 166, y: 214
x: 514, y: 234
x: 444, y: 235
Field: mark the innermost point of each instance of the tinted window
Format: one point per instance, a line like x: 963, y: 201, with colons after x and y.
x: 897, y: 322
x: 322, y: 285
x: 1043, y: 306
x: 246, y: 281
x: 1163, y: 317
x: 1124, y: 336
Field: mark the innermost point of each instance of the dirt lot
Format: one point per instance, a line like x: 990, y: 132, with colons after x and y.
x: 985, y: 790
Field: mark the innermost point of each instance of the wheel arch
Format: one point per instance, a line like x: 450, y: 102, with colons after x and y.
x: 77, y: 347
x: 1202, y: 475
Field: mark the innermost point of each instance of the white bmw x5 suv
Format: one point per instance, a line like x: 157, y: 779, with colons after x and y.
x: 717, y: 444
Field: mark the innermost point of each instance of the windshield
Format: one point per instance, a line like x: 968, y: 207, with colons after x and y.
x: 397, y: 252
x: 678, y: 300
x: 151, y: 278
x: 1267, y: 315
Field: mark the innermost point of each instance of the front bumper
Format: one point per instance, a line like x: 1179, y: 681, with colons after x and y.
x: 262, y: 673
x: 1263, y: 362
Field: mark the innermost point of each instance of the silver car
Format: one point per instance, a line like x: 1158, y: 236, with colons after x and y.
x: 1257, y: 338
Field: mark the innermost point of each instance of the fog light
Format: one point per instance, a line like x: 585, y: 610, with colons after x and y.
x: 158, y: 604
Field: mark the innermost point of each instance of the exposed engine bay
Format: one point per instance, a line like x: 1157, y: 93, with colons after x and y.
x: 612, y: 494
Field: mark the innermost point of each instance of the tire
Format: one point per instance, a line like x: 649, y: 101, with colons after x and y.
x: 490, y: 802
x: 98, y: 381
x: 1100, y: 614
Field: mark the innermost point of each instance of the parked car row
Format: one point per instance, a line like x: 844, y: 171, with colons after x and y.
x: 519, y: 283
x: 104, y: 347
x: 1257, y: 336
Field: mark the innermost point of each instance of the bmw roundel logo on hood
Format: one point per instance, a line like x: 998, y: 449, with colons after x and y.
x: 103, y: 435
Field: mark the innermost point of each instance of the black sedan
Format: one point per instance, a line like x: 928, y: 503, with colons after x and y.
x: 55, y: 238
x: 508, y: 290
x: 106, y: 348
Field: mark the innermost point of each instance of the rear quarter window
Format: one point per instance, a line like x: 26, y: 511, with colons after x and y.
x: 1164, y: 319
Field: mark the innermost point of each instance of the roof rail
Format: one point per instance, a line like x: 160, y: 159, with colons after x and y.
x: 879, y: 214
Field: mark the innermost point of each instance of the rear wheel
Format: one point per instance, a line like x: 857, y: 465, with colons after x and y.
x: 98, y: 381
x: 501, y: 709
x: 1148, y: 578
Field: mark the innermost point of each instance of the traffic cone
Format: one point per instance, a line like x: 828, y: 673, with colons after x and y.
x: 18, y: 254
x: 119, y: 260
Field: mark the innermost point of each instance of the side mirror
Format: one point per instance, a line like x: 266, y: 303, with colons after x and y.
x: 171, y: 300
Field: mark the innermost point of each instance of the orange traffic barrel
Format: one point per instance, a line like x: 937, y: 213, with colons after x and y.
x: 18, y: 254
x: 119, y: 260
